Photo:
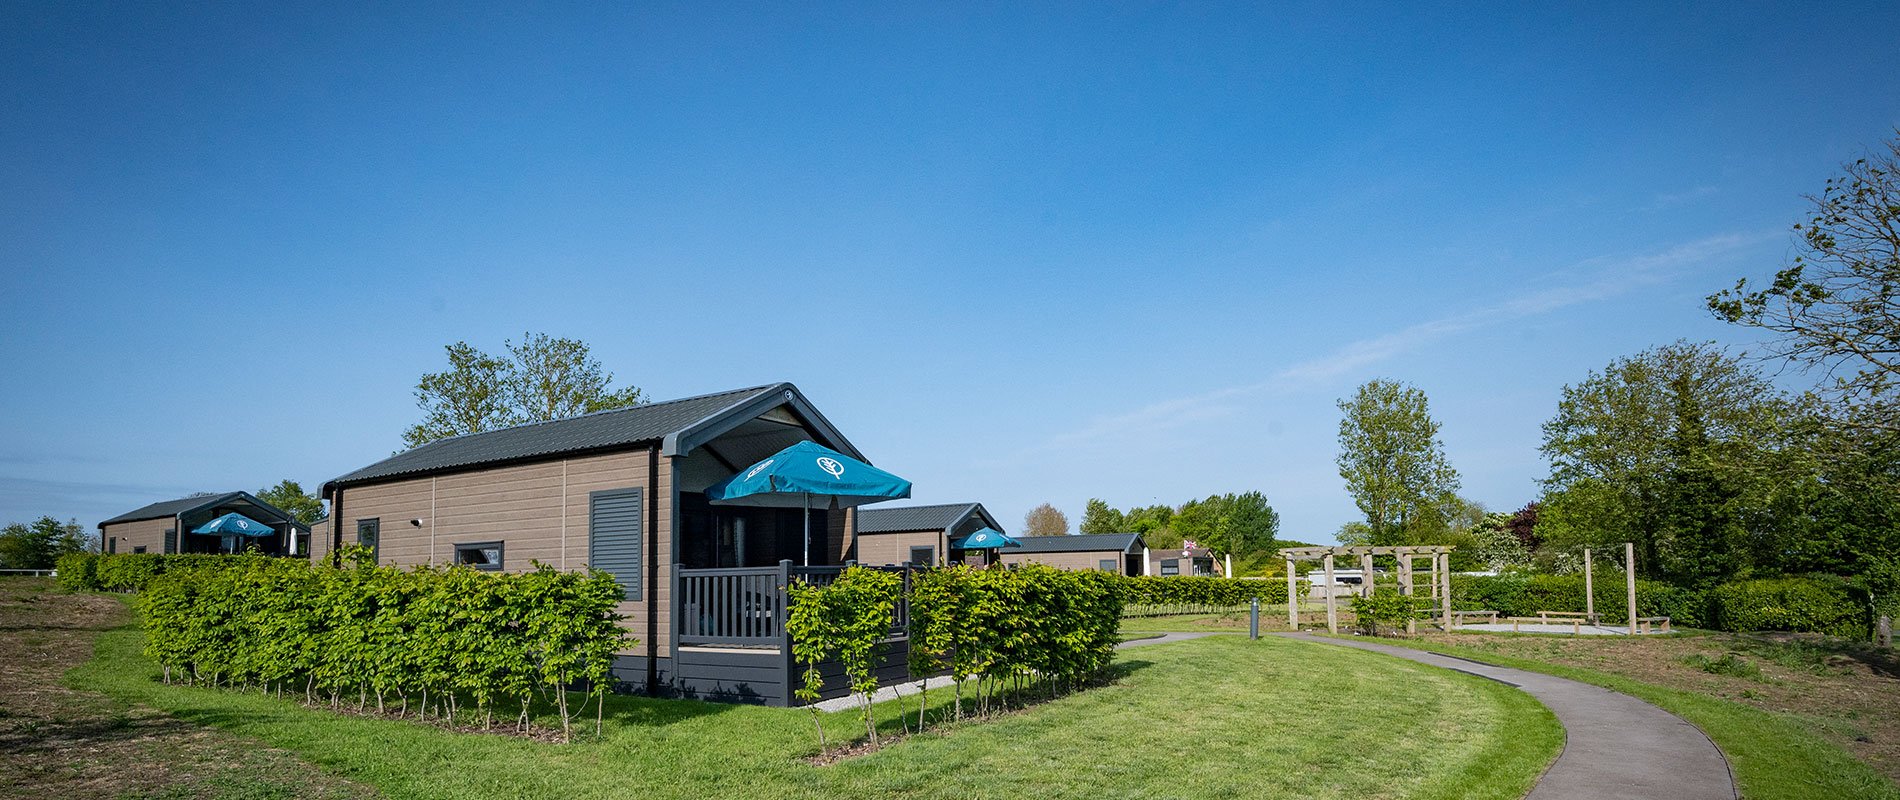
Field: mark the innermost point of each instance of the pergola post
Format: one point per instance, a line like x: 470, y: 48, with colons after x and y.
x: 1405, y: 586
x: 1589, y: 590
x: 1365, y: 574
x: 1292, y: 598
x: 1332, y: 612
x: 1444, y: 576
x: 1629, y: 579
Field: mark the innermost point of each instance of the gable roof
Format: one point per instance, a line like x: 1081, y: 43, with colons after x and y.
x: 677, y: 425
x: 172, y: 508
x: 1078, y: 543
x: 941, y: 517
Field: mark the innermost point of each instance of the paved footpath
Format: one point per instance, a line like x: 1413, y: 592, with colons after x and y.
x: 1617, y: 747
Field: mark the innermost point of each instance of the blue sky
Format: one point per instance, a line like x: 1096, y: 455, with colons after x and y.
x: 1017, y: 253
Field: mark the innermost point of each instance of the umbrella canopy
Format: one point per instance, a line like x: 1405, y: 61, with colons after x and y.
x: 986, y: 539
x: 792, y: 477
x: 235, y: 524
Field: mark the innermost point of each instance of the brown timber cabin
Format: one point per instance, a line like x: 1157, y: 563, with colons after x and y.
x: 623, y: 491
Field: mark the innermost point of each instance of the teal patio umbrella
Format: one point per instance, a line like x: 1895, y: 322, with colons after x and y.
x: 985, y: 539
x: 233, y: 525
x: 791, y: 477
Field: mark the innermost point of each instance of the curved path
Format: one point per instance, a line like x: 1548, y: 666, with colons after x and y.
x: 1615, y: 747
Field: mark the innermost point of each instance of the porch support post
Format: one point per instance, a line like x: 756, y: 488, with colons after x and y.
x: 1332, y: 613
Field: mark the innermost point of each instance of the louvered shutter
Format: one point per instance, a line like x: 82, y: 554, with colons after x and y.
x: 613, y: 536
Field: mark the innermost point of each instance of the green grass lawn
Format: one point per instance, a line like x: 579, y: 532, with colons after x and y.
x: 1215, y: 717
x: 1773, y: 756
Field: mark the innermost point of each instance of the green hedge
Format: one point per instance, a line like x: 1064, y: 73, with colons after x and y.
x: 453, y: 637
x: 1817, y: 604
x: 1201, y: 590
x: 1035, y: 622
x: 130, y: 572
x: 1519, y: 596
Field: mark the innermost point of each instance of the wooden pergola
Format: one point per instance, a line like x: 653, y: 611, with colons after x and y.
x: 1438, y: 577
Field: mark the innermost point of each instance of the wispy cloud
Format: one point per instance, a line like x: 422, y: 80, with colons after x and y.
x: 1668, y: 199
x: 1604, y: 278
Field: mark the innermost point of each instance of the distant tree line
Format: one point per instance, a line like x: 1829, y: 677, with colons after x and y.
x: 1240, y: 524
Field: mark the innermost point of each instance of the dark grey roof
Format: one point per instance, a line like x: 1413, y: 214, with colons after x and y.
x: 884, y: 519
x: 601, y: 430
x: 1121, y: 542
x: 171, y: 508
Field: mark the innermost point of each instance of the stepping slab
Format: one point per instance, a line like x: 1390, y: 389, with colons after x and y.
x: 1616, y: 747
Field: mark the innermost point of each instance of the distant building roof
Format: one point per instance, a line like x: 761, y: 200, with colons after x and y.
x: 941, y: 517
x: 671, y: 422
x: 172, y: 508
x: 1084, y: 542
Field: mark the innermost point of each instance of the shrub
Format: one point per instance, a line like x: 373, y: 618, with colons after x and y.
x: 78, y: 571
x: 1201, y: 590
x: 1525, y: 595
x: 452, y: 635
x: 1816, y: 604
x: 1388, y: 608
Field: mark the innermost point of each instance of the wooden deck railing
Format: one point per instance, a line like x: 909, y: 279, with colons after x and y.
x: 745, y: 606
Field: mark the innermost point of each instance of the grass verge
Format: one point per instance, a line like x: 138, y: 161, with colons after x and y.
x: 1213, y: 717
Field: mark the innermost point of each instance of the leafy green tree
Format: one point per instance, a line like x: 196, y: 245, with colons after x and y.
x: 1098, y: 517
x: 542, y: 378
x: 1394, y: 464
x: 1045, y: 520
x: 1672, y: 449
x: 290, y: 496
x: 39, y: 544
x: 1836, y: 307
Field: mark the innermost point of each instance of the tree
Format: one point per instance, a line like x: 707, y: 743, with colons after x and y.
x: 1098, y: 517
x: 1671, y: 449
x: 542, y: 378
x: 1045, y: 520
x: 1523, y: 525
x: 39, y: 544
x: 1496, y: 546
x: 290, y: 496
x: 1836, y: 307
x: 1394, y: 464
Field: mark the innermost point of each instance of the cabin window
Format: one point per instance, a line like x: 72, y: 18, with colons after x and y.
x: 480, y: 555
x: 369, y: 533
x: 171, y: 540
x: 613, y: 536
x: 112, y: 544
x: 139, y: 549
x: 923, y: 555
x: 1171, y: 566
x: 1106, y: 565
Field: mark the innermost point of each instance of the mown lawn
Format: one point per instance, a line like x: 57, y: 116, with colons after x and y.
x: 1215, y: 717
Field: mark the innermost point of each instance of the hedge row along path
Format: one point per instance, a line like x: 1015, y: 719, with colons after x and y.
x: 1616, y: 746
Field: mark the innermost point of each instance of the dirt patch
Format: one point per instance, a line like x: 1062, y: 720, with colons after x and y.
x: 1846, y: 692
x: 57, y: 742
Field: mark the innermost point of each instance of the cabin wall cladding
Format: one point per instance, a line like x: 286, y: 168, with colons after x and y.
x: 762, y: 677
x: 146, y: 533
x: 1086, y: 559
x: 538, y: 511
x: 894, y: 548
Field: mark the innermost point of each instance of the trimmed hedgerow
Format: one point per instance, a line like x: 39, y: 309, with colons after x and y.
x: 1816, y: 604
x: 1202, y: 590
x: 77, y: 571
x: 447, y: 640
x: 130, y: 572
x: 1519, y: 595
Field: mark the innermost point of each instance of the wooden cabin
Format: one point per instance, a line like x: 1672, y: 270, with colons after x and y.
x: 165, y: 527
x: 624, y: 491
x: 918, y: 535
x: 1109, y: 552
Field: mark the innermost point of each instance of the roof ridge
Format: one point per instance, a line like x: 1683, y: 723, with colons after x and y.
x: 602, y: 412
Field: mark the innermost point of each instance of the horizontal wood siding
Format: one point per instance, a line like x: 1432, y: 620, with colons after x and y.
x: 1084, y: 559
x: 894, y: 548
x: 146, y: 533
x: 732, y: 676
x: 319, y: 539
x: 538, y: 511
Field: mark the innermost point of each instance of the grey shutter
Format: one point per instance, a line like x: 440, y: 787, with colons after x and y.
x: 171, y: 540
x: 613, y: 536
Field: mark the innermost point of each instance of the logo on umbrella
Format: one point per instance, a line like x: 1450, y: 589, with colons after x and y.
x: 759, y: 467
x: 832, y: 466
x: 243, y: 525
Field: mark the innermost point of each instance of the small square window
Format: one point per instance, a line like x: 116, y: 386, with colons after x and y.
x: 139, y: 549
x: 1170, y: 566
x: 480, y: 555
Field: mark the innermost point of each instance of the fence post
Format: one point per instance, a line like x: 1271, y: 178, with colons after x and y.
x: 1253, y: 619
x: 1883, y: 631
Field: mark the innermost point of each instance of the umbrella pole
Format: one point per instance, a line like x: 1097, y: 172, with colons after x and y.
x: 807, y: 529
